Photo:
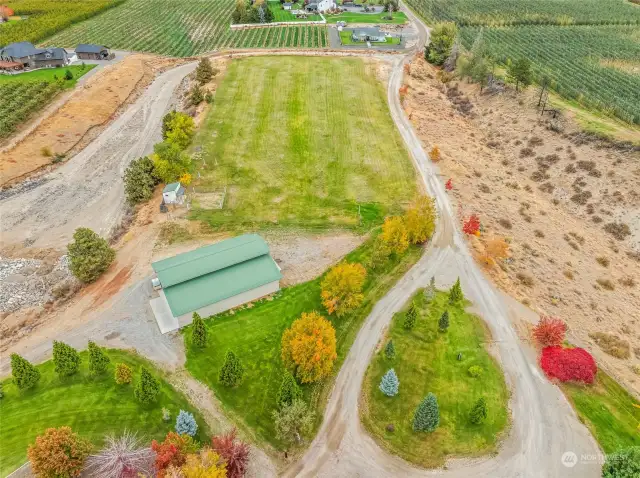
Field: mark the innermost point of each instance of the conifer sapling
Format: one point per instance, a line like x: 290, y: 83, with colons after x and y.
x: 98, y: 360
x: 443, y: 323
x: 427, y: 415
x: 455, y: 294
x: 389, y: 383
x: 147, y: 387
x: 231, y: 371
x: 198, y: 331
x: 25, y: 375
x: 65, y: 358
x: 186, y: 424
x: 410, y: 317
x: 390, y: 350
x: 289, y: 391
x: 479, y: 411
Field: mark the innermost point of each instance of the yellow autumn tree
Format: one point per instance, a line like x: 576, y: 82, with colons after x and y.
x: 435, y: 154
x: 204, y: 464
x: 420, y: 220
x: 342, y: 288
x: 495, y: 249
x: 394, y: 234
x: 309, y: 347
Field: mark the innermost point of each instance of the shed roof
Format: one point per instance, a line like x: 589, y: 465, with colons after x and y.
x: 90, y: 48
x: 212, y: 273
x: 20, y: 49
x: 171, y: 187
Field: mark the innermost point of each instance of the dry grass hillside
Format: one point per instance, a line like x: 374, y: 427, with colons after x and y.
x: 568, y: 205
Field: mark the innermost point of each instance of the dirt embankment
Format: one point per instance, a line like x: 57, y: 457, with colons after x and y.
x: 78, y: 121
x: 567, y: 205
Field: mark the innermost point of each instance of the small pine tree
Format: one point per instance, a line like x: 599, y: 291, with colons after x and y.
x: 186, y: 424
x: 410, y: 317
x: 123, y: 374
x: 289, y: 391
x: 443, y: 323
x: 147, y: 387
x: 198, y: 331
x: 98, y: 360
x: 427, y: 415
x: 478, y: 412
x: 65, y: 358
x: 25, y: 375
x: 68, y: 75
x: 390, y: 350
x: 455, y: 294
x: 389, y: 383
x: 430, y: 290
x: 231, y: 371
x: 204, y: 71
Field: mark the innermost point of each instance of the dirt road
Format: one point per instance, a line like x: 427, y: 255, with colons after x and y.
x: 87, y: 191
x: 545, y: 429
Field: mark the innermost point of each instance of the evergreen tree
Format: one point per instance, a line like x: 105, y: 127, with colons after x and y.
x: 204, y: 71
x: 389, y: 383
x: 65, y: 358
x: 479, y: 411
x: 186, y: 424
x: 455, y: 293
x: 390, y: 350
x: 410, y: 317
x: 147, y: 387
x: 443, y: 323
x: 123, y: 374
x: 98, y: 360
x: 89, y: 255
x: 430, y: 290
x: 198, y: 331
x: 231, y: 371
x: 289, y: 391
x: 520, y: 72
x: 139, y: 180
x: 427, y: 415
x: 25, y: 375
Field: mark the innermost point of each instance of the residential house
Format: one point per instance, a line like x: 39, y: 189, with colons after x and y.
x: 368, y: 34
x: 287, y: 5
x: 31, y: 57
x: 320, y: 5
x: 86, y: 51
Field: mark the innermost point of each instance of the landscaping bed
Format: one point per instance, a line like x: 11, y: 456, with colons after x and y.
x: 426, y: 360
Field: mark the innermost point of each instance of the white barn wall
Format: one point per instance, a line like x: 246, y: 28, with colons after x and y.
x: 231, y: 302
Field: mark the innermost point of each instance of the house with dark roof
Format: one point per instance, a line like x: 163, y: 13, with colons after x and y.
x: 88, y: 51
x: 31, y: 57
x: 213, y: 279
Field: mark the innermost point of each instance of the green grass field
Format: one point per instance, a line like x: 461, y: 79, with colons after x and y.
x: 192, y: 27
x: 426, y: 361
x: 255, y: 334
x: 398, y: 18
x: 92, y: 407
x: 302, y: 142
x: 48, y: 74
x: 607, y: 410
x: 345, y: 39
x: 280, y: 15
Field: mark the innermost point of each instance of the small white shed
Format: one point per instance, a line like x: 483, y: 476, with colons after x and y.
x: 173, y: 193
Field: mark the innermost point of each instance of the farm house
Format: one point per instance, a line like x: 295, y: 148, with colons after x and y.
x: 212, y: 279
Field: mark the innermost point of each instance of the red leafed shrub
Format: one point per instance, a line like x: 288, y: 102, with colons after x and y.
x: 568, y: 365
x: 472, y: 225
x: 235, y: 453
x: 172, y: 451
x: 549, y: 331
x: 449, y: 185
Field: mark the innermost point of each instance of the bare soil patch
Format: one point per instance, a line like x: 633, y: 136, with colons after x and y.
x: 567, y: 204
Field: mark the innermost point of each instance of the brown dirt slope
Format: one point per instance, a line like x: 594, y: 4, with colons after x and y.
x: 568, y: 205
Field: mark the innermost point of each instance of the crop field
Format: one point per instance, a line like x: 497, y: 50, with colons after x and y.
x: 46, y: 17
x: 183, y: 28
x: 20, y: 100
x: 528, y: 12
x: 302, y: 142
x: 571, y: 57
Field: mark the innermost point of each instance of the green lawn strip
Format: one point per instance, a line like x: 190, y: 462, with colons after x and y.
x: 254, y: 334
x: 323, y: 159
x: 426, y: 361
x: 345, y: 38
x: 48, y: 74
x: 281, y: 15
x: 352, y: 17
x: 607, y: 410
x: 92, y: 407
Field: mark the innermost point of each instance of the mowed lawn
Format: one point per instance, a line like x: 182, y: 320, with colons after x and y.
x: 304, y: 142
x: 49, y: 74
x: 426, y: 361
x: 607, y: 410
x: 92, y: 407
x: 255, y: 334
x: 398, y: 18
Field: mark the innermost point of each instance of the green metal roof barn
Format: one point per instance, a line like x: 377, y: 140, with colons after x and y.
x: 215, y: 278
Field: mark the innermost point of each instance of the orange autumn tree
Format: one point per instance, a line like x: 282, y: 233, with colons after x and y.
x: 342, y: 288
x: 394, y: 234
x: 495, y: 249
x: 59, y: 452
x: 309, y: 347
x: 420, y: 220
x: 435, y: 154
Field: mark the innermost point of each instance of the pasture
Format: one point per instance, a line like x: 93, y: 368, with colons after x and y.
x: 185, y: 28
x: 427, y: 361
x: 302, y: 142
x: 92, y: 406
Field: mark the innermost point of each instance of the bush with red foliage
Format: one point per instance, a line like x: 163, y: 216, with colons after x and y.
x: 549, y: 331
x: 568, y: 365
x: 448, y: 185
x: 235, y: 453
x: 472, y: 225
x: 172, y: 451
